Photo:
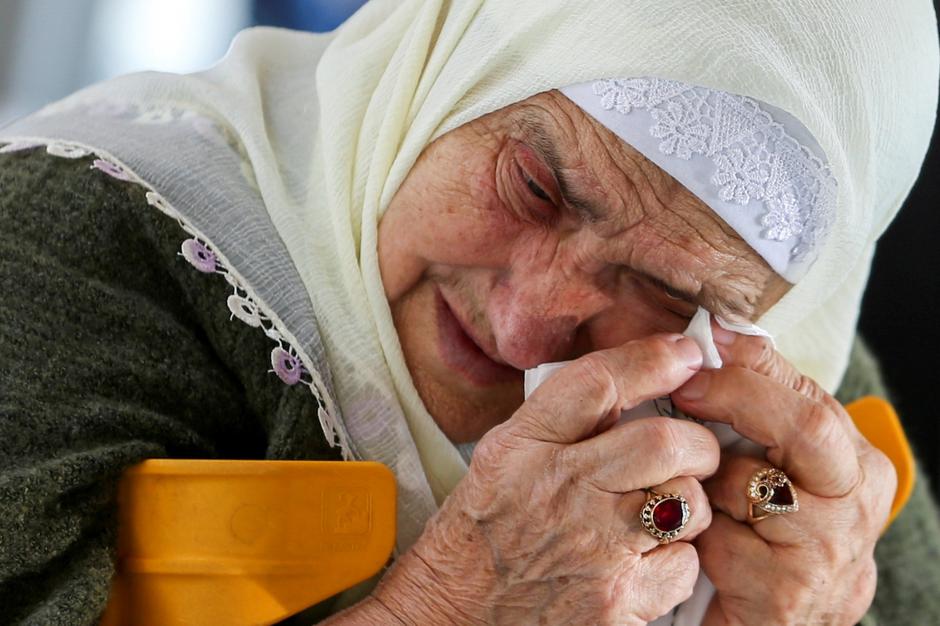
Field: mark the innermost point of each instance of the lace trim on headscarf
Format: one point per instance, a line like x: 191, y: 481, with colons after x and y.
x: 288, y: 363
x: 754, y: 155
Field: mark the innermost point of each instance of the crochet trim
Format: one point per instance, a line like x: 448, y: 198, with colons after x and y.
x: 754, y: 156
x: 290, y: 364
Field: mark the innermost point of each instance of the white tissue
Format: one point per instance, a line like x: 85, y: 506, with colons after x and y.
x: 692, y: 611
x: 700, y: 331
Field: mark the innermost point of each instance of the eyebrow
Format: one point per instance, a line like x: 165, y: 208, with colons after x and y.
x: 544, y: 144
x: 591, y: 213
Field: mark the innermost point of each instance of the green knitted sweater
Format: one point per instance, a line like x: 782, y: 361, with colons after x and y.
x: 113, y: 350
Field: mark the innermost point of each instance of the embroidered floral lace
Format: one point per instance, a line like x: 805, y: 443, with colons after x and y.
x: 755, y: 157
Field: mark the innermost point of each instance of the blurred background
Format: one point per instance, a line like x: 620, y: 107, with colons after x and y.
x: 49, y: 48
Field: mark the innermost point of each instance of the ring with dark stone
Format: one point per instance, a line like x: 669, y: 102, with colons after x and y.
x: 770, y: 492
x: 664, y: 515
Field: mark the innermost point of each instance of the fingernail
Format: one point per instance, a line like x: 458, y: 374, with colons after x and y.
x: 723, y: 337
x: 695, y: 389
x: 688, y: 351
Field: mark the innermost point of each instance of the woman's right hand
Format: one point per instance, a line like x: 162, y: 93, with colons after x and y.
x: 545, y: 526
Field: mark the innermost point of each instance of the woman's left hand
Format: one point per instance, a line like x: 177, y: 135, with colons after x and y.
x: 812, y: 566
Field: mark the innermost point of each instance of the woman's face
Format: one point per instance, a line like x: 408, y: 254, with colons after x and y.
x: 534, y: 234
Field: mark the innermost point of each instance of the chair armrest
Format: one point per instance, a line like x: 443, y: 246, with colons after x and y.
x: 245, y: 542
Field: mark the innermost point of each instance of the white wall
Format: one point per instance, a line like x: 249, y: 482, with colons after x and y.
x: 50, y: 48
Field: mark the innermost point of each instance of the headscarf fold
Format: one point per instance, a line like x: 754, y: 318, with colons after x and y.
x: 331, y: 125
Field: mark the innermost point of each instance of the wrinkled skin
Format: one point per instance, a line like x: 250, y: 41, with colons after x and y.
x: 814, y: 566
x: 605, y: 269
x: 532, y: 280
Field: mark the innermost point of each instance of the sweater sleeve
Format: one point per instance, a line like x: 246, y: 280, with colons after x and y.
x: 105, y: 360
x: 908, y: 554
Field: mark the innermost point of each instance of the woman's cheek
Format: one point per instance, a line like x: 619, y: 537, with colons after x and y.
x: 632, y: 315
x: 474, y: 230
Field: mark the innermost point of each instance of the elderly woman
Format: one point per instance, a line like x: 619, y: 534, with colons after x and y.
x: 351, y: 246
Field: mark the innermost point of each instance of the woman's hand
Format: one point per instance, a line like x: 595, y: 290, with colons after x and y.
x: 545, y: 526
x: 811, y: 566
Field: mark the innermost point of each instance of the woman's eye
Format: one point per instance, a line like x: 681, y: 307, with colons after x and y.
x: 673, y: 294
x: 537, y: 191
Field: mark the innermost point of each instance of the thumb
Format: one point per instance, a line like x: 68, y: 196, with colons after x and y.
x: 575, y: 400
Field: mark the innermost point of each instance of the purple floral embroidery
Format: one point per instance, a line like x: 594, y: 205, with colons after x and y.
x: 111, y: 169
x: 198, y: 255
x: 287, y: 366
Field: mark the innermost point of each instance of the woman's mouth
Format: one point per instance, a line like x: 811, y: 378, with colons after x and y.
x: 461, y: 353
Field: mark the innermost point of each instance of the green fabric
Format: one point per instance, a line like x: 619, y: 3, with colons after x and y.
x: 113, y: 349
x: 908, y: 555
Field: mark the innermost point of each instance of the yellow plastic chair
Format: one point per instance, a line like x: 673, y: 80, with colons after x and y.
x: 245, y: 542
x: 876, y: 419
x: 253, y: 542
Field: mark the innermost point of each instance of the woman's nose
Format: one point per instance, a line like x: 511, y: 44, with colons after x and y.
x: 535, y: 318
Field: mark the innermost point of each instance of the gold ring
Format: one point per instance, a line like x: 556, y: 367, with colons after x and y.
x: 664, y: 515
x: 770, y: 492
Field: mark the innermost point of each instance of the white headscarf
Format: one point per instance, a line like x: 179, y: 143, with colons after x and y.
x: 333, y: 124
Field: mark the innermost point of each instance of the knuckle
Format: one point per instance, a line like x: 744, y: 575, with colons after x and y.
x: 819, y: 425
x: 701, y: 511
x: 673, y: 582
x: 886, y: 502
x: 685, y: 568
x: 877, y: 494
x: 487, y: 449
x: 653, y: 355
x: 493, y: 448
x: 765, y: 357
x: 659, y: 349
x: 808, y: 387
x: 780, y: 610
x: 833, y: 554
x: 865, y: 584
x: 595, y: 376
x: 886, y: 473
x: 806, y: 582
x: 868, y: 522
x: 690, y: 489
x: 703, y: 446
x: 660, y: 438
x: 819, y: 432
x: 834, y: 405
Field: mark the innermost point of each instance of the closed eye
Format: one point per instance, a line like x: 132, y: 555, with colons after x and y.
x: 685, y: 303
x: 537, y: 191
x: 673, y: 294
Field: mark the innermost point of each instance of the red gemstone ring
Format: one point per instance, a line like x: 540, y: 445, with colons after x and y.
x: 770, y: 492
x: 664, y: 515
